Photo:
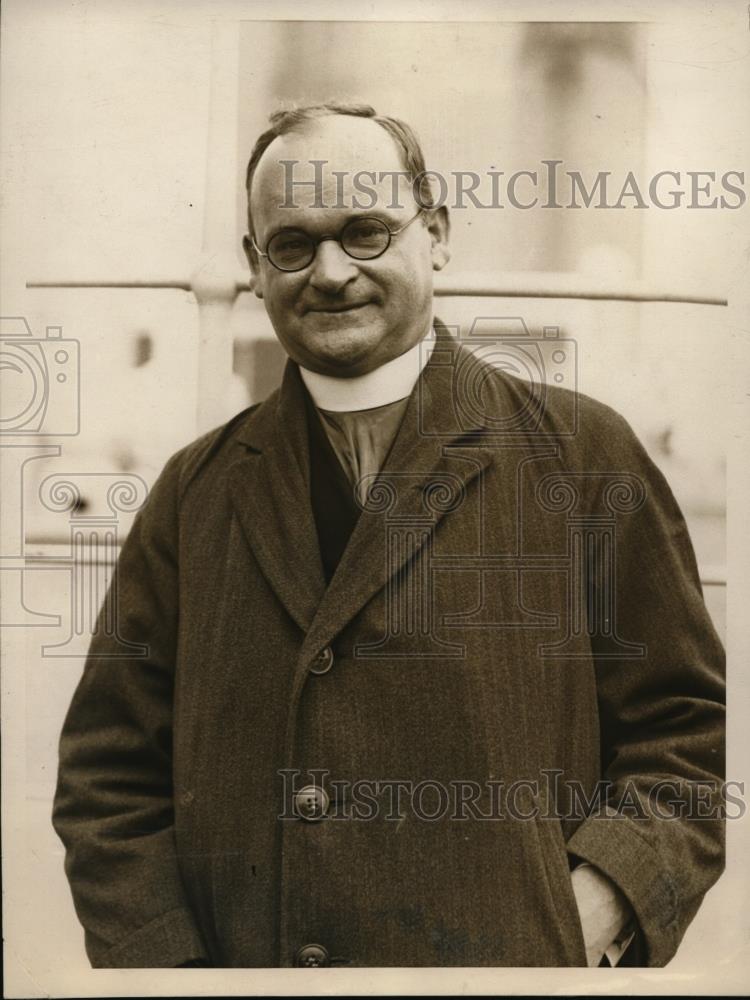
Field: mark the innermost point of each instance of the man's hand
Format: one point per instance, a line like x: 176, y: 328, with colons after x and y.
x: 603, y: 910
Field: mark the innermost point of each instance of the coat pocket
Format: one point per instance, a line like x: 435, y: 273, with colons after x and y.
x: 560, y: 885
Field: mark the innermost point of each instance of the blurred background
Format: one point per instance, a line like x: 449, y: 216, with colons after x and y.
x: 132, y: 135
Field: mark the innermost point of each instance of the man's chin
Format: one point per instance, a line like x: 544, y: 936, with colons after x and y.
x: 343, y: 349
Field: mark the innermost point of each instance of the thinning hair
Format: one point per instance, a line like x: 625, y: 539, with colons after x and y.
x: 294, y: 119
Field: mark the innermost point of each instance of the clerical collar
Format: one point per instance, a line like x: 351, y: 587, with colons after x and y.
x: 392, y: 381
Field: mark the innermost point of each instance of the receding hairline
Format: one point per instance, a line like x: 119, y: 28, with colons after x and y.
x: 298, y: 119
x: 313, y: 126
x: 308, y: 127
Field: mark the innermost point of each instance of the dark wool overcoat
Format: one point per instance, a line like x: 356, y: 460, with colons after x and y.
x: 511, y: 670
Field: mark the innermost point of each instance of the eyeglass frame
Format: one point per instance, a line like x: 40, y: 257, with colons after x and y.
x: 337, y: 239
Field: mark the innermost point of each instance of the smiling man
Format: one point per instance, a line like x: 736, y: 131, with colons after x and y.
x: 335, y: 312
x: 430, y: 680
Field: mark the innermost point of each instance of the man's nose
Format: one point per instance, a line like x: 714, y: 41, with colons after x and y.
x: 332, y: 267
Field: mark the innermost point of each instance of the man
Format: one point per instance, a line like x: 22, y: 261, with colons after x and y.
x: 430, y: 679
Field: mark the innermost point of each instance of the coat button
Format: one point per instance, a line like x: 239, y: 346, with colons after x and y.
x: 312, y: 956
x: 311, y: 803
x: 322, y: 662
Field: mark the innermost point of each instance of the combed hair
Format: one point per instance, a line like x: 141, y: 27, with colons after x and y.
x: 291, y: 119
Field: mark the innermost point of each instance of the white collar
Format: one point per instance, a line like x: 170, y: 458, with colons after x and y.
x: 392, y: 381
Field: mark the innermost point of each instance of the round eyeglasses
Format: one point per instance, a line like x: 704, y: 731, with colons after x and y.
x: 364, y: 238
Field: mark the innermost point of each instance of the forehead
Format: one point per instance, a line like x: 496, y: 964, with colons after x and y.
x: 283, y: 194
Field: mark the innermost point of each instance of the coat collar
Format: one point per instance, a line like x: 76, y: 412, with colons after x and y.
x: 433, y: 400
x: 270, y: 491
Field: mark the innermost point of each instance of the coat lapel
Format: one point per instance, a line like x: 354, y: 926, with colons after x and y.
x: 270, y: 492
x: 420, y: 481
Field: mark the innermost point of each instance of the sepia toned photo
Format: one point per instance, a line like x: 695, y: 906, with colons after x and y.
x: 374, y: 405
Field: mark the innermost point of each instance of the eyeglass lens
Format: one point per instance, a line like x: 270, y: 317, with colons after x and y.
x: 363, y: 239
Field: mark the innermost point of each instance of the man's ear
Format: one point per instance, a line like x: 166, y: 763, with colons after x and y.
x: 439, y: 227
x: 254, y: 262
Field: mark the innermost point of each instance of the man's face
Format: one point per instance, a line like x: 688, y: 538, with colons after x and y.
x: 340, y: 316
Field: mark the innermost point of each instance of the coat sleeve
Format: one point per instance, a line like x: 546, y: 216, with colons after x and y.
x: 113, y: 807
x: 659, y: 834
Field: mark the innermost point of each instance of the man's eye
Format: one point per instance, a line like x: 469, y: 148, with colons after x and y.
x: 365, y: 231
x: 290, y: 244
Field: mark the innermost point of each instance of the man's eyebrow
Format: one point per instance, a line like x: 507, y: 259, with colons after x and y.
x: 288, y: 229
x: 282, y: 229
x: 374, y: 213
